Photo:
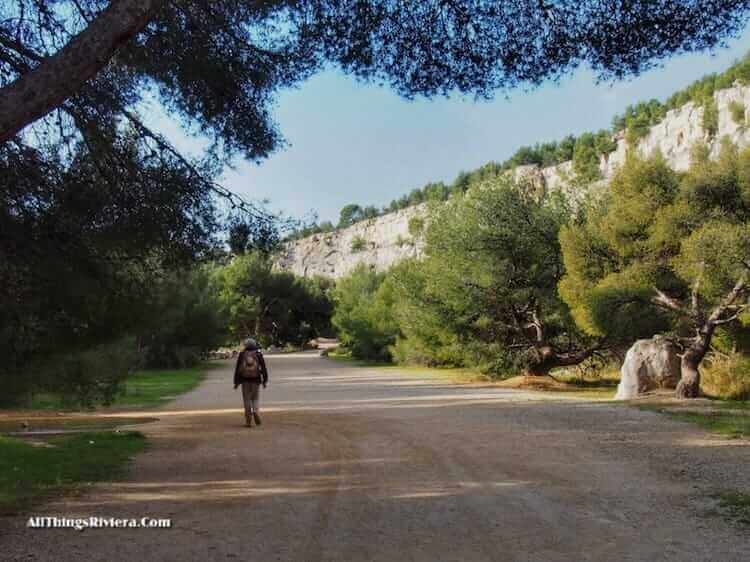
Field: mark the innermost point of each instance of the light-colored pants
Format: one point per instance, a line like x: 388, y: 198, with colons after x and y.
x: 250, y: 395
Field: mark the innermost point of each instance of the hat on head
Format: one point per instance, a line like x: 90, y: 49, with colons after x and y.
x: 250, y: 343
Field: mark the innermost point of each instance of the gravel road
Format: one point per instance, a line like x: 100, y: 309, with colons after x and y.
x: 355, y: 464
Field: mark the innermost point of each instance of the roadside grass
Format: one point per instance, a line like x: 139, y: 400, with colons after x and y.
x: 725, y: 417
x: 733, y: 425
x: 142, y: 389
x: 345, y: 357
x: 33, y: 471
x: 446, y: 374
x: 156, y: 387
x: 451, y: 375
x: 735, y: 506
x: 573, y: 385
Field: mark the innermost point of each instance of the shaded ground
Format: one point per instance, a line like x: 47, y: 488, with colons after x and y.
x: 355, y: 464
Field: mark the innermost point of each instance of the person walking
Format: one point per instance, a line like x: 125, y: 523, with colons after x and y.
x: 251, y: 372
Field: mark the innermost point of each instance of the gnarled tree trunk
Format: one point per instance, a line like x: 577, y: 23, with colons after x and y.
x: 690, y: 377
x: 547, y: 358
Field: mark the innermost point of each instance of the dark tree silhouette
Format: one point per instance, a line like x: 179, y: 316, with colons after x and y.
x: 219, y: 61
x: 92, y: 201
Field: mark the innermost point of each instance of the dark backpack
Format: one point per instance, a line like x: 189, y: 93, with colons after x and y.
x: 249, y: 365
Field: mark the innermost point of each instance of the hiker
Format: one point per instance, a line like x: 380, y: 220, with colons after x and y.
x: 250, y: 372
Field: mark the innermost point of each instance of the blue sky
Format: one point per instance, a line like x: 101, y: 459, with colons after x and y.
x: 356, y: 143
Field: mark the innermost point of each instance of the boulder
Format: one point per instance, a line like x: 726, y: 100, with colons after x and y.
x: 649, y: 365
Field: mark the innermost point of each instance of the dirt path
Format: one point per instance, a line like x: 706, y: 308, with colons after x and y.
x: 352, y: 464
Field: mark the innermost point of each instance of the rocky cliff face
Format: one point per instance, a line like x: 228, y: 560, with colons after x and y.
x: 387, y: 239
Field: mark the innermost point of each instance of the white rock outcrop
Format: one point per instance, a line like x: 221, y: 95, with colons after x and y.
x: 333, y: 254
x: 649, y: 365
x: 387, y: 237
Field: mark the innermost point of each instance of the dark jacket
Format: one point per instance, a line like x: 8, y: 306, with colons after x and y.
x: 263, y: 370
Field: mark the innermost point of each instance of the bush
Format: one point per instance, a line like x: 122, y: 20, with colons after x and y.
x: 275, y: 307
x: 90, y: 377
x: 416, y: 226
x: 586, y: 158
x: 710, y: 117
x: 737, y: 111
x: 363, y: 314
x: 638, y: 128
x: 187, y: 321
x: 726, y: 376
x: 358, y: 244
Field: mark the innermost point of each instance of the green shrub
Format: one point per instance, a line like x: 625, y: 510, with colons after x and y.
x: 416, y: 226
x: 710, y: 117
x: 604, y: 142
x: 726, y: 376
x: 358, y: 244
x: 85, y: 379
x: 364, y: 316
x: 275, y: 307
x: 638, y: 128
x: 187, y: 320
x: 737, y: 111
x: 586, y: 158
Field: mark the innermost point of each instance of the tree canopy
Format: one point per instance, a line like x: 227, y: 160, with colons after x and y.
x: 488, y: 282
x: 95, y: 205
x: 664, y: 251
x: 274, y: 307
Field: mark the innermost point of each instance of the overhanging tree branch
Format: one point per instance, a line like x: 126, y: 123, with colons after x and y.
x: 61, y: 75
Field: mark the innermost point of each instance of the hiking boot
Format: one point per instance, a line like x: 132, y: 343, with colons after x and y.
x: 256, y: 417
x: 248, y: 422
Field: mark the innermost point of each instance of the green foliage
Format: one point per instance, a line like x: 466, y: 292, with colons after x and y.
x: 349, y: 215
x: 658, y: 229
x: 710, y: 120
x: 637, y: 120
x: 416, y: 226
x: 492, y: 261
x: 85, y: 379
x: 246, y: 235
x: 186, y: 322
x: 28, y: 473
x: 736, y: 505
x: 364, y: 317
x: 737, y: 111
x: 358, y: 244
x: 78, y: 256
x: 77, y: 379
x: 586, y: 158
x: 736, y: 425
x: 273, y: 306
x: 604, y: 142
x: 150, y: 388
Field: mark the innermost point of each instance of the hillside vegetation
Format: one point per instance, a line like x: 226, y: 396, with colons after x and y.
x: 584, y: 150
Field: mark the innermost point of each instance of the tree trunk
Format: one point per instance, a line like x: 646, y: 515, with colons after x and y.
x: 547, y: 358
x: 61, y: 75
x: 690, y: 377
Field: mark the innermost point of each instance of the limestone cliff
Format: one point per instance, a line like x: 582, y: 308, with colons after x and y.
x: 387, y: 239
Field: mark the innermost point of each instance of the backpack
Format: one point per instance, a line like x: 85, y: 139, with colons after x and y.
x: 249, y: 365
